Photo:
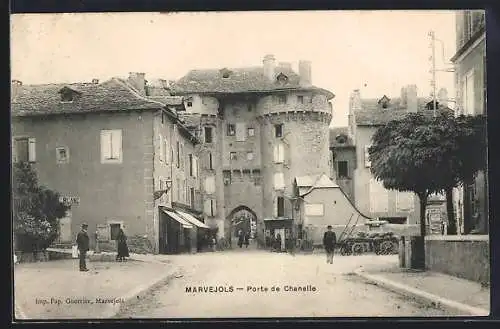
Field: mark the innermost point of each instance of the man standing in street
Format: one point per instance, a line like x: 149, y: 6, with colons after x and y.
x: 329, y: 241
x: 82, y: 241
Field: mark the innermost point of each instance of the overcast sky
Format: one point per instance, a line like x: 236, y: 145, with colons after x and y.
x: 375, y: 51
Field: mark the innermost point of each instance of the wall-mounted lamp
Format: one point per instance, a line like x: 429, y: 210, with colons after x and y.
x: 158, y: 194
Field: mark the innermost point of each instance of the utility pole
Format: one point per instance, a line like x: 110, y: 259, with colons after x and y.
x: 433, y: 71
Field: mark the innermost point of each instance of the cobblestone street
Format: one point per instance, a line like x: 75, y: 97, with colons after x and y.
x: 333, y: 289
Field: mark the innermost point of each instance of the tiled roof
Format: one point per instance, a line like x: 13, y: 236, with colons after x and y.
x: 339, y: 131
x: 307, y: 183
x: 249, y: 79
x: 373, y: 114
x: 168, y: 100
x: 112, y: 95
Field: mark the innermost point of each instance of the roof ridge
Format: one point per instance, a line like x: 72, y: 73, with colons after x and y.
x: 134, y: 91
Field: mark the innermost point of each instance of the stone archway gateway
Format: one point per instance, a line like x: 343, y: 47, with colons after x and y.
x: 243, y: 218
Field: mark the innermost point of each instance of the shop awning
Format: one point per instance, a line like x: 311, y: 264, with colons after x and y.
x: 178, y: 218
x: 190, y: 218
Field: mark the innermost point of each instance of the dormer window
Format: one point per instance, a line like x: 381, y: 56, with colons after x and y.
x: 341, y: 139
x: 67, y: 95
x: 384, y: 102
x: 225, y: 73
x: 189, y: 101
x: 282, y: 78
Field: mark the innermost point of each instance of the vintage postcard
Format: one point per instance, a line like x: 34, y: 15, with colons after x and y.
x: 249, y: 165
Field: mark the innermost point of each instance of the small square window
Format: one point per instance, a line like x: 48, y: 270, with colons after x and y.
x: 232, y: 156
x: 62, y: 155
x: 231, y: 130
x: 251, y: 132
x: 300, y: 99
x: 278, y: 130
x: 249, y: 156
x: 189, y: 102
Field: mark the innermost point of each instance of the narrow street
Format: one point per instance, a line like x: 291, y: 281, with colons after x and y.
x: 332, y: 289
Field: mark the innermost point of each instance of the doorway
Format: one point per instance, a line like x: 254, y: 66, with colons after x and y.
x: 281, y: 232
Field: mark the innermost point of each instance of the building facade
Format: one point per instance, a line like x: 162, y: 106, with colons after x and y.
x: 351, y: 165
x: 109, y: 150
x: 471, y: 200
x: 260, y: 127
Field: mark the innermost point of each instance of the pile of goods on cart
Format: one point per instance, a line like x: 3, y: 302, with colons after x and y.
x: 375, y: 240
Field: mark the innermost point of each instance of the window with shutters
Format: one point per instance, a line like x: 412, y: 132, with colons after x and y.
x: 210, y: 161
x: 278, y: 130
x: 281, y: 99
x: 279, y: 210
x: 24, y: 149
x: 405, y: 201
x: 279, y: 181
x: 240, y: 132
x: 233, y: 156
x: 208, y: 135
x: 249, y: 156
x: 210, y: 185
x: 166, y: 151
x: 279, y: 153
x: 379, y: 196
x: 300, y: 99
x: 191, y: 165
x: 251, y: 132
x: 209, y: 206
x: 111, y: 146
x: 231, y: 129
x: 192, y: 197
x: 62, y: 155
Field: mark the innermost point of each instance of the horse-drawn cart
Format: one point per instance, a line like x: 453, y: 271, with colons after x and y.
x: 376, y: 240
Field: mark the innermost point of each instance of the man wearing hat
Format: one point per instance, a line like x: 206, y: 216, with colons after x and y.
x: 329, y: 241
x: 82, y: 241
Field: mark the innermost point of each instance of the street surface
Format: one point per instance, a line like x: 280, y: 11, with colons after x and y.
x: 332, y: 290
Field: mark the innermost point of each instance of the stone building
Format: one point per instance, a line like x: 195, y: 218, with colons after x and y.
x: 349, y: 150
x: 109, y: 149
x: 470, y: 77
x: 260, y: 127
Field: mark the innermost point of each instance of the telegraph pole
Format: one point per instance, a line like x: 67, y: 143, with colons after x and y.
x: 433, y: 70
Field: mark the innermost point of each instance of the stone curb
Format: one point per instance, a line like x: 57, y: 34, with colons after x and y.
x: 140, y: 291
x: 451, y: 306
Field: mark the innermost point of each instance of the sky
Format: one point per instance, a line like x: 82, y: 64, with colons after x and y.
x: 376, y: 52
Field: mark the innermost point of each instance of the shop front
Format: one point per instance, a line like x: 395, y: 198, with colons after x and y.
x: 201, y: 236
x: 278, y: 233
x: 176, y: 233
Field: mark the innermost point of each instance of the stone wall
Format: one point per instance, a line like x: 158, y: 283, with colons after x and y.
x: 463, y: 256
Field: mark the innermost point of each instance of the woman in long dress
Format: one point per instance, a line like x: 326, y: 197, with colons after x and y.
x: 122, y: 246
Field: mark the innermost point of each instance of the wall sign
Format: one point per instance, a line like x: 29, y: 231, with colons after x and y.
x: 69, y: 200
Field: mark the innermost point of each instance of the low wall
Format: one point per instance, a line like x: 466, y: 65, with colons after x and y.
x: 464, y: 256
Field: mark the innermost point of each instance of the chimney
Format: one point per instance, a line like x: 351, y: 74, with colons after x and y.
x: 285, y: 65
x: 410, y: 96
x: 138, y: 81
x: 15, y: 85
x: 305, y: 73
x: 95, y: 81
x: 355, y: 101
x: 442, y: 97
x: 269, y: 66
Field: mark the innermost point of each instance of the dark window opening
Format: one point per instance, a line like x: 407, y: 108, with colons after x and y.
x: 231, y: 130
x: 281, y: 99
x: 178, y: 155
x: 278, y: 130
x: 114, y: 228
x: 208, y: 134
x: 232, y: 156
x: 21, y: 149
x: 191, y: 192
x: 299, y: 231
x: 66, y: 96
x: 227, y: 177
x: 281, y: 206
x: 210, y: 164
x: 300, y: 99
x: 342, y: 169
x: 190, y: 164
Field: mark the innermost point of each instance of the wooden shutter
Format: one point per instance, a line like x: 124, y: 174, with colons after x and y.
x: 208, y: 207
x: 105, y: 144
x: 275, y: 207
x: 240, y: 132
x: 31, y: 149
x: 213, y: 206
x: 116, y: 144
x: 276, y: 153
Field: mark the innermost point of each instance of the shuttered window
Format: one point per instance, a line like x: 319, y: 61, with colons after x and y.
x: 111, y: 146
x: 210, y: 184
x: 279, y: 153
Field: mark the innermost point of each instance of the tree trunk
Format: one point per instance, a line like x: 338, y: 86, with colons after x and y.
x: 419, y: 242
x: 450, y: 213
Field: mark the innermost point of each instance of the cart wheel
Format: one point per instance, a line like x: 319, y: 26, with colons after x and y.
x: 357, y: 248
x: 386, y: 247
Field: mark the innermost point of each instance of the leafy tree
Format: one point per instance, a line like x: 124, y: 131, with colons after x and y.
x: 36, y: 210
x: 424, y: 154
